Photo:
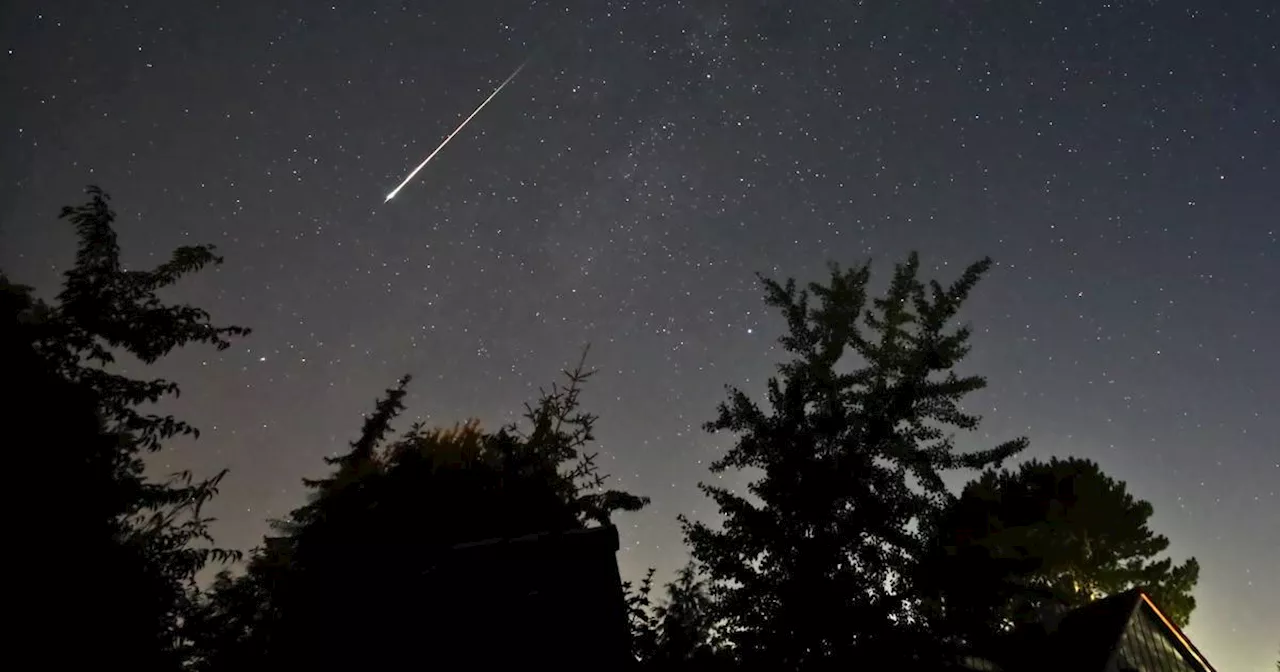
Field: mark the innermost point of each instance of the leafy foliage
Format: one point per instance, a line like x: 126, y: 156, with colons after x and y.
x: 687, y: 625
x: 104, y: 307
x: 641, y: 620
x: 847, y: 543
x: 814, y: 565
x: 382, y: 519
x: 147, y: 539
x: 1058, y: 532
x: 679, y: 632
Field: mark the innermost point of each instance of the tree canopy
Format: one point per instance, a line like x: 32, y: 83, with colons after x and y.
x: 678, y: 632
x: 146, y: 539
x: 846, y: 545
x: 385, y: 515
x: 1057, y: 532
x: 812, y: 567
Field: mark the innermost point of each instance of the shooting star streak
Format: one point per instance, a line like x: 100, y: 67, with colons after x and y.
x: 432, y: 155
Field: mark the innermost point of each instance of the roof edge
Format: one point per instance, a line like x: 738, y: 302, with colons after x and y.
x: 1178, y: 635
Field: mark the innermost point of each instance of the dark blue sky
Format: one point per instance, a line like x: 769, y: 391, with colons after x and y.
x: 1120, y: 161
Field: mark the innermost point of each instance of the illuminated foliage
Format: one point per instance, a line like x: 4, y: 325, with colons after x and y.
x: 1059, y: 532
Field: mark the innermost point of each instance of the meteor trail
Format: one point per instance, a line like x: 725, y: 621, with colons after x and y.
x: 455, y: 132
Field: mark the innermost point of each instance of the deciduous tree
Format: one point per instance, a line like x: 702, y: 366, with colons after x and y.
x: 354, y: 557
x: 678, y: 632
x: 118, y: 551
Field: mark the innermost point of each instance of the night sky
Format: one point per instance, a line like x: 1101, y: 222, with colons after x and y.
x: 1119, y: 160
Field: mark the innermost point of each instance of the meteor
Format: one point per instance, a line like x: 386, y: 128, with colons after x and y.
x: 432, y: 155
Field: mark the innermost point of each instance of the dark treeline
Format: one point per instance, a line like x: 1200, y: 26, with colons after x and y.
x: 846, y: 547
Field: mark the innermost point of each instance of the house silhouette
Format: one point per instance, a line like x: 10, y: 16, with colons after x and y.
x: 1126, y: 632
x: 542, y: 601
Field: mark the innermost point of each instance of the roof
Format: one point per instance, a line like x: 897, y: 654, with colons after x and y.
x: 552, y: 599
x: 604, y: 538
x: 1086, y: 636
x: 1184, y: 642
x: 1126, y: 629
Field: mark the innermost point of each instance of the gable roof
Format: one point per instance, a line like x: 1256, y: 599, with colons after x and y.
x: 1125, y: 631
x: 1181, y: 643
x: 1087, y: 636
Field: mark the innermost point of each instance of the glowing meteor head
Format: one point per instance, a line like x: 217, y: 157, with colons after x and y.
x: 457, y: 130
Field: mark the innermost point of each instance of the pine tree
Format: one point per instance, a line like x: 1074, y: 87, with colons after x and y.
x: 122, y: 547
x: 1058, y: 532
x: 813, y: 567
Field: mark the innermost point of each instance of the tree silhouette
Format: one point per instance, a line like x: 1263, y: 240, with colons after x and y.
x: 677, y: 633
x: 124, y: 549
x: 641, y: 619
x: 1060, y: 533
x: 367, y: 541
x: 687, y: 621
x: 814, y: 567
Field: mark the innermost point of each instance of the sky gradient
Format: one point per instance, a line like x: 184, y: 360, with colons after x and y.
x: 1120, y: 161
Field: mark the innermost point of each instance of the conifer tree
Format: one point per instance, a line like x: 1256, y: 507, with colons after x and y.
x: 1057, y: 533
x: 812, y: 566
